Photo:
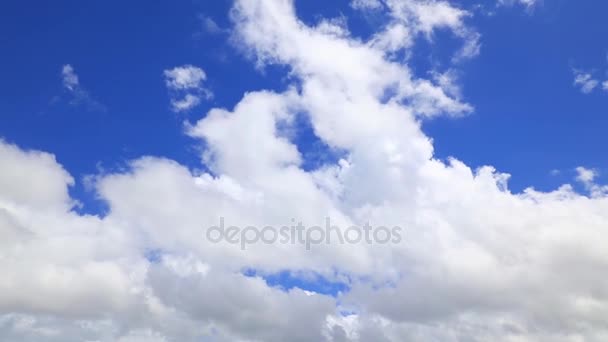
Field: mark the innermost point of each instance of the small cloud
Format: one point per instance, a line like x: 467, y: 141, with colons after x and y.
x: 70, y: 79
x: 585, y: 81
x: 210, y: 26
x: 585, y: 176
x: 79, y: 95
x: 529, y: 4
x: 448, y: 81
x: 366, y: 4
x: 184, y: 77
x: 187, y: 102
x: 185, y: 85
x: 555, y: 172
x: 471, y: 46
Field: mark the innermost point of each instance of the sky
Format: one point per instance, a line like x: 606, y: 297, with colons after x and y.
x: 520, y: 86
x: 128, y: 128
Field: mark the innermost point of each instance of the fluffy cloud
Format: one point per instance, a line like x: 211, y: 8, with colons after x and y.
x: 184, y: 77
x: 587, y: 177
x: 477, y: 261
x: 185, y: 84
x: 412, y: 17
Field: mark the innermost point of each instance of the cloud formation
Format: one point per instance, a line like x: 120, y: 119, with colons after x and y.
x: 185, y: 85
x: 587, y: 177
x: 477, y: 262
x: 585, y: 81
x: 527, y: 3
x: 366, y: 4
x: 411, y: 18
x: 70, y: 79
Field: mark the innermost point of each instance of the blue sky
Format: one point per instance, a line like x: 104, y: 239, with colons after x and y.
x: 172, y: 114
x: 529, y: 119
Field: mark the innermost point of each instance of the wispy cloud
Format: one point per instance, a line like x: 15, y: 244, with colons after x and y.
x: 529, y: 4
x: 209, y: 26
x: 78, y: 94
x: 366, y: 4
x: 585, y: 81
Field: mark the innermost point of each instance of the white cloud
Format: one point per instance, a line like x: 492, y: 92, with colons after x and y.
x: 187, y: 102
x: 185, y: 84
x: 587, y: 177
x: 366, y: 4
x: 478, y: 262
x: 413, y: 17
x: 184, y: 77
x: 70, y: 79
x: 585, y: 81
x: 527, y: 3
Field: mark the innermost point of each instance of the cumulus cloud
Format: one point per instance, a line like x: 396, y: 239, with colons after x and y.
x: 411, y: 18
x: 477, y: 262
x: 185, y: 85
x: 184, y: 77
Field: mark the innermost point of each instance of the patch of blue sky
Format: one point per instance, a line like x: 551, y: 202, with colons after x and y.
x: 307, y: 281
